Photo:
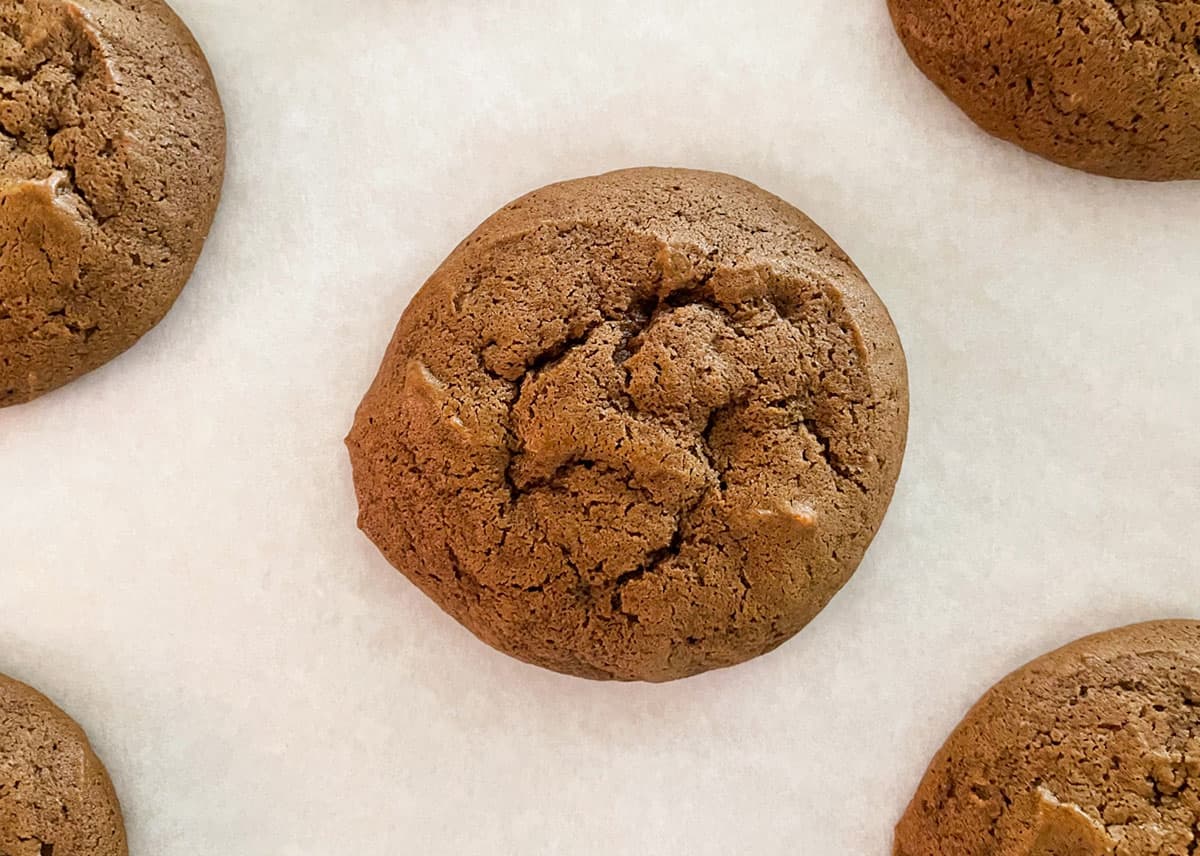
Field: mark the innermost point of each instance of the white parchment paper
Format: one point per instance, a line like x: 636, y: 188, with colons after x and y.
x: 179, y: 563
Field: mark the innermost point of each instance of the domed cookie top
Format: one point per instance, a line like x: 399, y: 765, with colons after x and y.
x: 1093, y: 750
x: 112, y: 149
x: 637, y: 426
x: 1108, y: 86
x: 55, y: 797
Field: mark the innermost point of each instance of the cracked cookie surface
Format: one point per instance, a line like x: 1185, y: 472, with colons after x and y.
x: 1093, y: 750
x: 1107, y: 86
x: 637, y: 426
x: 55, y: 796
x: 112, y: 151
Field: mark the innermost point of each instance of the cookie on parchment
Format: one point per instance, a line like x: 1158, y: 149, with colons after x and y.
x: 55, y: 796
x: 1093, y: 750
x: 1107, y: 86
x: 112, y: 152
x: 637, y: 426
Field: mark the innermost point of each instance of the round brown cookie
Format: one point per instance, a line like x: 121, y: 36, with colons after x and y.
x: 1093, y: 750
x: 637, y: 426
x: 112, y: 152
x: 1108, y: 86
x: 55, y: 796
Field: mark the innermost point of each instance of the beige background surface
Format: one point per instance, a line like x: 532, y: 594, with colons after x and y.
x: 179, y: 564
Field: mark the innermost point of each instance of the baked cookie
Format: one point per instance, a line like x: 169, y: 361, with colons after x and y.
x: 637, y: 426
x: 1108, y: 86
x: 55, y: 797
x: 1093, y: 750
x: 112, y: 152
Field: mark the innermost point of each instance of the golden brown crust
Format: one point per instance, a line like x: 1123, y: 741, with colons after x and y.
x: 637, y: 426
x: 1093, y: 750
x: 1107, y: 86
x: 55, y: 796
x: 112, y: 152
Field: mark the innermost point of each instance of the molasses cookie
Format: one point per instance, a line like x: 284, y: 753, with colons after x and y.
x: 636, y: 426
x: 1093, y: 750
x: 112, y: 151
x: 55, y: 797
x: 1108, y: 86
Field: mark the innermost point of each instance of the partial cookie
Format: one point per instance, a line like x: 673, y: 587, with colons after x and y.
x: 55, y: 796
x: 1107, y: 86
x: 637, y: 426
x: 1093, y: 750
x: 112, y: 152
